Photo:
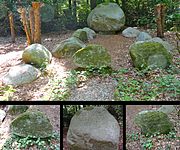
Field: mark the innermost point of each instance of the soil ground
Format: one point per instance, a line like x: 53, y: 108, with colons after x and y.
x: 118, y: 48
x: 131, y: 128
x: 51, y: 111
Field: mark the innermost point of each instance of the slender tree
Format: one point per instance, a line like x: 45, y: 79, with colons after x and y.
x: 93, y: 4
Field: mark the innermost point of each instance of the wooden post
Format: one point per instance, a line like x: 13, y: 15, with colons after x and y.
x: 160, y: 13
x: 31, y: 23
x: 26, y: 26
x: 37, y: 27
x: 11, y: 22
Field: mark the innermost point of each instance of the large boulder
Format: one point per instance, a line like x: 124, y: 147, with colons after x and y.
x: 21, y: 74
x: 92, y: 55
x: 130, y: 32
x: 37, y: 55
x: 149, y: 54
x: 31, y: 123
x: 67, y: 48
x: 93, y: 128
x: 106, y: 17
x: 143, y: 36
x: 17, y: 109
x: 84, y: 34
x: 153, y: 121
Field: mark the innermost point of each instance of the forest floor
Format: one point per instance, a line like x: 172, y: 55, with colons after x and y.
x: 94, y: 89
x: 158, y: 142
x: 51, y: 111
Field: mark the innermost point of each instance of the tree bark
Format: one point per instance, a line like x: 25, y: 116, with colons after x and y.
x: 11, y: 22
x: 37, y: 27
x: 26, y: 26
x: 31, y: 22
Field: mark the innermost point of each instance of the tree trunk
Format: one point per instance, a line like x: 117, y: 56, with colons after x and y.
x: 93, y: 4
x: 37, y: 20
x: 31, y: 22
x: 11, y: 21
x: 26, y: 26
x: 70, y: 5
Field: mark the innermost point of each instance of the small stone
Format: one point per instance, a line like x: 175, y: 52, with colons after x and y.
x: 143, y: 36
x: 130, y: 32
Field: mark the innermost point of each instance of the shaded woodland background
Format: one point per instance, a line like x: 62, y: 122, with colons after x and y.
x: 72, y: 14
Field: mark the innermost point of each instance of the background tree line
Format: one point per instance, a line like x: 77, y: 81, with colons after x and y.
x: 72, y: 14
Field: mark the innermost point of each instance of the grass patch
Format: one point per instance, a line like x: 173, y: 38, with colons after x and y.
x: 6, y: 92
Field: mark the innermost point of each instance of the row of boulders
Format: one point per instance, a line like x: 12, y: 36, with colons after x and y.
x: 83, y: 55
x: 28, y: 121
x: 148, y: 51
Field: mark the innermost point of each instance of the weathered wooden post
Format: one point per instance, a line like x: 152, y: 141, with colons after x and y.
x: 11, y: 22
x: 37, y: 20
x: 160, y: 13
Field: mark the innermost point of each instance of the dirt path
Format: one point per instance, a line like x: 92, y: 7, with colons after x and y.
x: 52, y: 112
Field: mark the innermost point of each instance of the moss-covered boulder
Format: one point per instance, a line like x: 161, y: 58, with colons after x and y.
x: 37, y: 54
x: 17, y: 109
x: 21, y: 74
x: 67, y: 48
x: 149, y: 54
x: 32, y: 123
x: 84, y: 34
x: 153, y: 121
x: 106, y: 17
x: 92, y: 55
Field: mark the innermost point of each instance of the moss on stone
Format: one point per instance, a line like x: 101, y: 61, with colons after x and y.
x: 81, y: 34
x: 153, y: 121
x: 67, y: 48
x: 92, y: 55
x: 141, y: 52
x: 36, y: 54
x: 33, y: 123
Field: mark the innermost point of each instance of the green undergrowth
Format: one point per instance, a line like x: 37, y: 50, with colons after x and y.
x: 133, y: 85
x: 6, y: 92
x: 150, y: 142
x: 147, y: 85
x: 19, y: 143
